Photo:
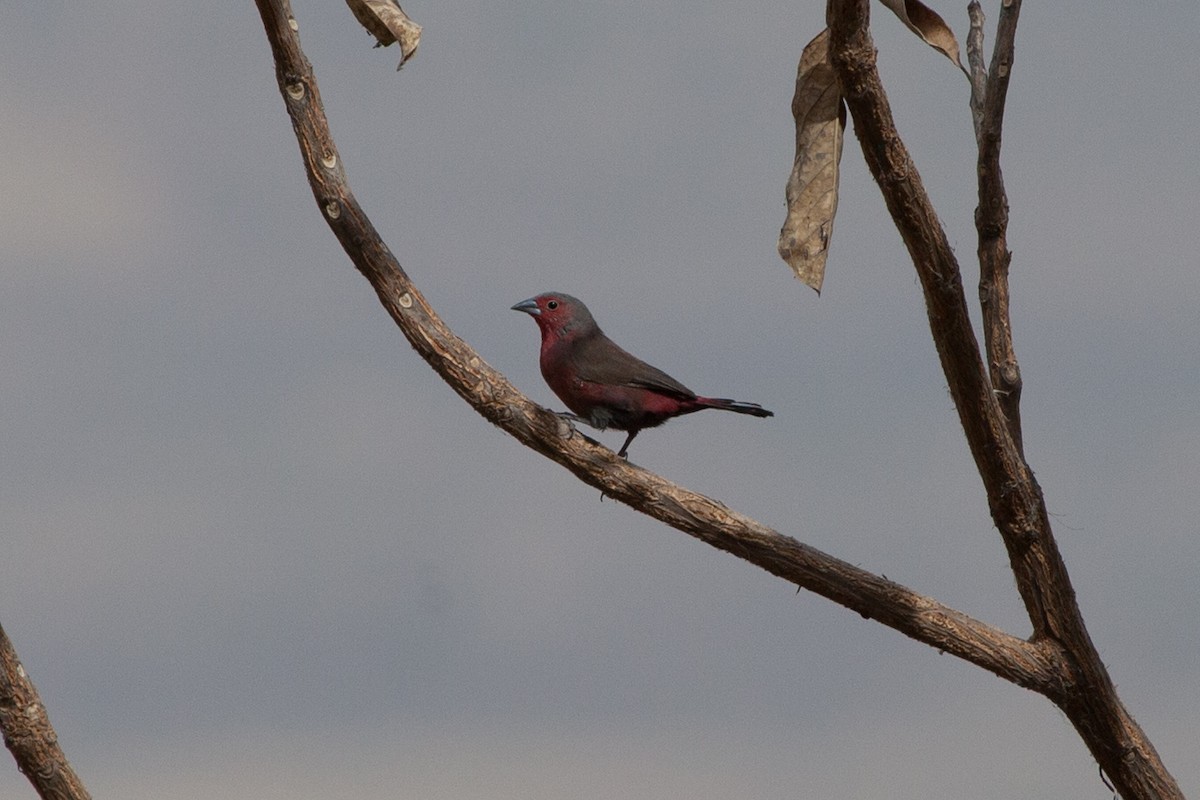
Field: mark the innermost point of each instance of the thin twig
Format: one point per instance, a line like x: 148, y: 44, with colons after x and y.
x: 991, y: 224
x: 978, y: 72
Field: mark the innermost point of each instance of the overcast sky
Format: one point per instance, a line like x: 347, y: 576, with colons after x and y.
x: 254, y: 548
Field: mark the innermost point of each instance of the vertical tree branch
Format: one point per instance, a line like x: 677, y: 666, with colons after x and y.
x: 991, y: 223
x: 28, y: 734
x: 1014, y: 497
x: 977, y: 71
x: 1089, y: 699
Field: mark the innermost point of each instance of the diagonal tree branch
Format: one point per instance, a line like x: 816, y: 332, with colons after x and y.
x: 1033, y: 665
x: 1089, y: 699
x: 29, y: 735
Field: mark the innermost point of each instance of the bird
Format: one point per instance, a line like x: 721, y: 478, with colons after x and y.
x: 602, y: 384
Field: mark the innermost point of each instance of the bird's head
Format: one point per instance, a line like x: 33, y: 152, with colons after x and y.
x: 558, y: 315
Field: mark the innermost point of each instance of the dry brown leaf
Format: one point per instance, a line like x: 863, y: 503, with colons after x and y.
x: 812, y: 188
x: 387, y: 22
x: 925, y: 22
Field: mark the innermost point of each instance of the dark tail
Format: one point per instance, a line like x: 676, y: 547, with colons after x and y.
x: 753, y: 409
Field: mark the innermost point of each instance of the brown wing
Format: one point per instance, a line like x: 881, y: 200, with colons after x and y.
x: 598, y: 359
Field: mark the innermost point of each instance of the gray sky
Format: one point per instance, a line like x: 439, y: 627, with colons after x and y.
x: 254, y: 548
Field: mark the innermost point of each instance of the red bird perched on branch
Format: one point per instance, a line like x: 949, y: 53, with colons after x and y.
x: 602, y: 384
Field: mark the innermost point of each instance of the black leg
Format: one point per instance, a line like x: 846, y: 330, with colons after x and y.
x: 625, y: 447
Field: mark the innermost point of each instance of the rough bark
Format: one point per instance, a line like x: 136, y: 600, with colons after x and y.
x: 991, y: 425
x: 28, y: 734
x: 991, y: 223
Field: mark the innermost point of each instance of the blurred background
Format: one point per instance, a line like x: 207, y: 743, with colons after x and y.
x: 254, y: 548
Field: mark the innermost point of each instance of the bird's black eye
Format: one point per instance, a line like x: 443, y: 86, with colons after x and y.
x: 553, y: 304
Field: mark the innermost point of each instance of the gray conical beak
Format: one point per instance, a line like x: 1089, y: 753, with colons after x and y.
x: 529, y: 306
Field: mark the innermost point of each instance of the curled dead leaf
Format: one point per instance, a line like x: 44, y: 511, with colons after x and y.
x: 387, y: 22
x: 926, y: 23
x: 812, y: 188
